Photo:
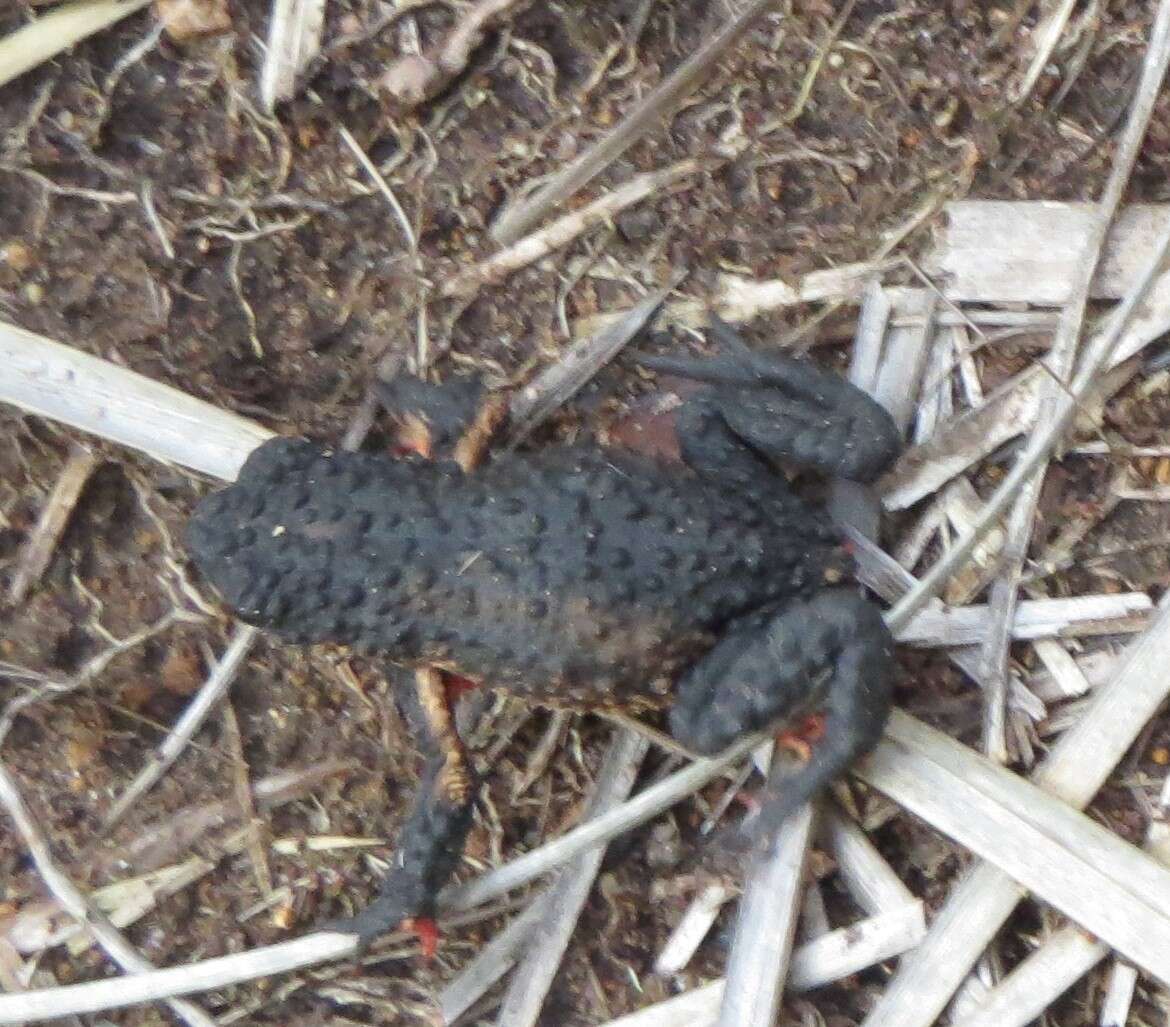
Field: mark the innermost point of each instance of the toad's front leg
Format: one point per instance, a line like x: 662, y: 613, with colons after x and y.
x: 431, y: 841
x: 831, y: 652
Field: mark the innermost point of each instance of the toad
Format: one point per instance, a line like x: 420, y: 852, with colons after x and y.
x: 576, y: 577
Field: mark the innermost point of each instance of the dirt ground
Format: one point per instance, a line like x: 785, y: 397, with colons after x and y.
x: 288, y: 279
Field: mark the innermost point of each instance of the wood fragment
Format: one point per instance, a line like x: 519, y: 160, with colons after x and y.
x: 1076, y: 768
x: 1119, y: 991
x: 568, y: 227
x: 1076, y: 616
x: 1109, y: 887
x: 688, y: 935
x: 55, y: 32
x: 562, y: 903
x: 833, y: 956
x: 51, y: 380
x: 765, y: 929
x: 1021, y: 997
x: 1004, y: 251
x: 294, y: 39
x: 42, y: 541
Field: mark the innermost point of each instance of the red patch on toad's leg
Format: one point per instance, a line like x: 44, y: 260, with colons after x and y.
x: 457, y: 686
x: 426, y: 931
x: 800, y: 739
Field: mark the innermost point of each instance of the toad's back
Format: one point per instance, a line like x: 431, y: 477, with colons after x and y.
x: 567, y: 576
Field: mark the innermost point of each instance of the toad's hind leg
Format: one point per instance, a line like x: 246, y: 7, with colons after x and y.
x: 431, y: 841
x: 780, y: 407
x: 832, y: 651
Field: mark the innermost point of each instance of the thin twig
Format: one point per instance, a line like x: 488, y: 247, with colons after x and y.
x: 42, y: 541
x: 46, y: 378
x: 214, y: 689
x: 564, y: 900
x: 64, y: 891
x: 568, y: 227
x: 643, y: 118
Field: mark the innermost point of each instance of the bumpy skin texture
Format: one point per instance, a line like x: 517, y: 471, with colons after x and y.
x: 569, y: 578
x: 579, y: 578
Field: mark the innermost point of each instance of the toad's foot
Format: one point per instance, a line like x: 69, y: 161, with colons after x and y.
x: 832, y: 651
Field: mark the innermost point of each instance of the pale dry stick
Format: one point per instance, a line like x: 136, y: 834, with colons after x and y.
x: 1061, y: 359
x: 1044, y: 38
x: 737, y: 299
x: 688, y: 934
x: 1065, y: 676
x: 323, y: 946
x: 1075, y: 769
x: 765, y: 929
x: 645, y: 116
x: 831, y: 957
x: 64, y: 891
x: 928, y: 467
x: 214, y: 689
x: 1118, y: 995
x: 489, y: 965
x: 294, y: 39
x: 42, y: 541
x: 1050, y: 970
x: 850, y: 502
x: 51, y: 380
x: 1023, y: 995
x: 1109, y: 887
x: 562, y: 904
x: 565, y: 229
x: 1156, y: 494
x: 870, y: 879
x: 1009, y: 251
x: 1077, y: 616
x: 1038, y: 449
x: 53, y: 33
x: 1027, y: 321
x: 1118, y: 448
